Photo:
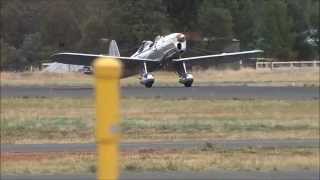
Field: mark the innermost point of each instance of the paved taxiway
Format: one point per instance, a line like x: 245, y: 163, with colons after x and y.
x: 209, y: 175
x: 225, y: 144
x: 213, y: 92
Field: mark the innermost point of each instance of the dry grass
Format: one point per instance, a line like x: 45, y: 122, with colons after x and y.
x: 47, y: 120
x: 250, y: 159
x: 206, y: 77
x: 44, y: 79
x: 48, y: 164
x: 243, y: 76
x: 63, y: 120
x: 251, y: 75
x: 191, y: 160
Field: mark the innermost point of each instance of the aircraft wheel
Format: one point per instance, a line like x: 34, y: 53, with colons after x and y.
x: 188, y: 84
x: 148, y: 85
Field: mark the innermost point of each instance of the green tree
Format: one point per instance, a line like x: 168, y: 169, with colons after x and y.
x: 19, y: 18
x: 276, y: 30
x: 215, y: 21
x: 33, y: 30
x: 216, y: 24
x: 245, y: 26
x: 92, y: 33
x: 31, y: 48
x: 59, y: 26
x: 314, y: 17
x: 133, y: 21
x: 182, y: 14
x: 9, y: 57
x: 300, y: 12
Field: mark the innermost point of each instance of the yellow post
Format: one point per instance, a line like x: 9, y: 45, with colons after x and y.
x: 107, y: 74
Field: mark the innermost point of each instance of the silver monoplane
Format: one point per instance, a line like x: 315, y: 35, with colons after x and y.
x: 151, y: 56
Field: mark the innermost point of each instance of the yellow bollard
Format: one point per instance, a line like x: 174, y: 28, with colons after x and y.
x: 107, y: 74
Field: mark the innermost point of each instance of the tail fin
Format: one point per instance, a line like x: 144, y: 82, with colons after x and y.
x: 113, y: 49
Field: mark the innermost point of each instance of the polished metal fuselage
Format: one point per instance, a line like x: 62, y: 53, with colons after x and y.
x: 162, y: 51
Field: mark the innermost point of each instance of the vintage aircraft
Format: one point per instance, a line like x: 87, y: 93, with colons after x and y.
x: 152, y: 56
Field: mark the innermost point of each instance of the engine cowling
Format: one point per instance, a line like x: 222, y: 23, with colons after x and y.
x: 147, y: 80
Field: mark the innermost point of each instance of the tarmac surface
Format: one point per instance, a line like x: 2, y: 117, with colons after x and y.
x: 202, y: 92
x: 225, y: 144
x: 209, y: 175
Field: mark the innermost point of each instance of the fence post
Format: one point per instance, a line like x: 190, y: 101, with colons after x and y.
x: 107, y: 77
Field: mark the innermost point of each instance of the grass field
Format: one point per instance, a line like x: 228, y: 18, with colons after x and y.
x: 206, y: 77
x: 66, y: 120
x: 71, y: 120
x: 191, y: 160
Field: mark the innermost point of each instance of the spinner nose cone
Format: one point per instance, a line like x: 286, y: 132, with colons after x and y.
x: 181, y: 38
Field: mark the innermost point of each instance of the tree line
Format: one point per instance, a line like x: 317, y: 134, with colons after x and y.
x: 33, y: 30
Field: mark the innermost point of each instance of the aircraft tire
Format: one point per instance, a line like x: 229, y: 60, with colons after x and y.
x: 148, y: 85
x: 188, y: 84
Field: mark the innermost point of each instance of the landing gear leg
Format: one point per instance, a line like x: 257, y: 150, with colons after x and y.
x: 146, y: 78
x: 185, y: 78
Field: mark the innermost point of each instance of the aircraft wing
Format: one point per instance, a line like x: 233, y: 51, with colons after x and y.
x: 218, y: 56
x: 87, y: 59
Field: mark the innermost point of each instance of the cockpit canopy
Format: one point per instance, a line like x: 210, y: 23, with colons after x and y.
x: 157, y: 38
x: 145, y: 45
